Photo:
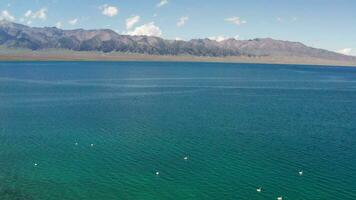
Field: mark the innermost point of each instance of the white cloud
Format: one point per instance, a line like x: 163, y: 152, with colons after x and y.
x: 109, y: 11
x: 346, y: 51
x: 162, y: 3
x: 40, y: 14
x: 73, y: 21
x: 28, y: 13
x: 149, y: 29
x: 182, y: 21
x: 279, y: 19
x: 5, y: 14
x: 218, y: 38
x: 130, y: 22
x: 235, y: 20
x: 58, y: 25
x: 221, y: 38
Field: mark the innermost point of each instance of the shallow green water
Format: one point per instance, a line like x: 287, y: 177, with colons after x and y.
x: 242, y: 126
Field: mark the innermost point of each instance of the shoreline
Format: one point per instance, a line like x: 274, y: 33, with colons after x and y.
x: 97, y: 56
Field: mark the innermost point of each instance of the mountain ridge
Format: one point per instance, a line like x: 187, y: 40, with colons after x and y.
x: 13, y: 35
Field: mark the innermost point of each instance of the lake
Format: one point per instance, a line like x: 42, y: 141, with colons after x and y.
x: 166, y: 130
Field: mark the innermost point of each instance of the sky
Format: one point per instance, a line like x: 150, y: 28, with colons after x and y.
x: 327, y: 24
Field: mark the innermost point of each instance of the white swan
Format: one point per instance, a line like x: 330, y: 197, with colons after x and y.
x: 300, y: 173
x: 185, y: 158
x: 259, y: 189
x: 157, y: 173
x: 279, y: 198
x: 36, y: 164
x: 91, y: 145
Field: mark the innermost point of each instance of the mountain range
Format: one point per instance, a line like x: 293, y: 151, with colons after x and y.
x: 13, y: 35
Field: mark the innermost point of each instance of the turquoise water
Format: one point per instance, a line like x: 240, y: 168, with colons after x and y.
x: 242, y: 126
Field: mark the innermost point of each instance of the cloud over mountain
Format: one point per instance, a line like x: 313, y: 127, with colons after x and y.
x: 149, y: 29
x: 6, y: 15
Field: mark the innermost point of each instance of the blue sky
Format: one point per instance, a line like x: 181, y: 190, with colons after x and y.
x: 329, y: 24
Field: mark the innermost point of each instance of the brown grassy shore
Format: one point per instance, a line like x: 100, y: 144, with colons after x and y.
x: 66, y: 55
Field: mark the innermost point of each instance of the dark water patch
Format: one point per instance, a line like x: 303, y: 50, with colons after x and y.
x: 11, y: 190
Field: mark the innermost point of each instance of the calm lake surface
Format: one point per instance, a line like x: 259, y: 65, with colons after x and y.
x: 101, y: 131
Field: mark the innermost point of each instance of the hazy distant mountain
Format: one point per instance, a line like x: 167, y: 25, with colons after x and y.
x: 20, y: 36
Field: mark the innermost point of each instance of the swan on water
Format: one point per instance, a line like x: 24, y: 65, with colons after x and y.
x: 157, y: 173
x: 279, y: 198
x: 300, y: 173
x: 259, y: 189
x: 91, y: 145
x: 185, y: 158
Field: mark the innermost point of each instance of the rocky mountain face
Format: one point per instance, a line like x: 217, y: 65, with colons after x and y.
x: 20, y: 36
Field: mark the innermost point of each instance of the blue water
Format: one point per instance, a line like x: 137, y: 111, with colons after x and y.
x: 241, y: 127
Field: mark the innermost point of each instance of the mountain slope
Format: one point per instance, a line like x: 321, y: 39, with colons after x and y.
x: 14, y: 35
